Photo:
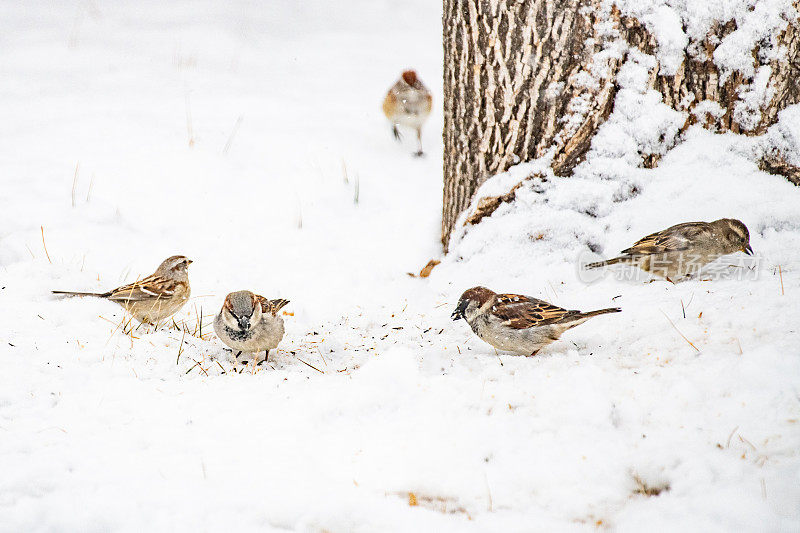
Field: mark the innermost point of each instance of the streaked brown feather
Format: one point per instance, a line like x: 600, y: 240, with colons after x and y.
x: 520, y: 312
x: 150, y: 288
x: 677, y: 238
x: 271, y: 306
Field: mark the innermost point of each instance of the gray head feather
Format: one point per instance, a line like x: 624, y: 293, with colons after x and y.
x: 735, y: 234
x: 739, y: 227
x: 174, y: 267
x: 241, y: 303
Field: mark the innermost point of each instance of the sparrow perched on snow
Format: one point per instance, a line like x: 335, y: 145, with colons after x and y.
x: 154, y: 298
x: 517, y: 323
x: 682, y: 250
x: 250, y: 323
x: 408, y: 103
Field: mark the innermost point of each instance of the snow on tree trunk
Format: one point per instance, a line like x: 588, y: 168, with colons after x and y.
x: 529, y: 79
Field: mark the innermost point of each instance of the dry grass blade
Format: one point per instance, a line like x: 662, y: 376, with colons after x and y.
x: 498, y: 357
x: 232, y: 135
x: 646, y: 489
x: 439, y: 504
x: 745, y: 441
x: 728, y: 443
x: 322, y: 357
x: 89, y: 190
x: 679, y: 331
x: 117, y: 325
x: 311, y: 366
x: 196, y: 324
x: 203, y: 370
x: 45, y: 246
x: 74, y: 183
x: 128, y: 328
x: 780, y: 273
x: 180, y: 348
x: 299, y: 212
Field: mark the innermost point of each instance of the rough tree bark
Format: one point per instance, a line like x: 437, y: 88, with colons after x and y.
x: 515, y: 88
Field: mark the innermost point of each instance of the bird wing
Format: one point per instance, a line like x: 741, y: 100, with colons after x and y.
x: 271, y: 306
x: 150, y: 288
x: 674, y: 239
x: 520, y: 312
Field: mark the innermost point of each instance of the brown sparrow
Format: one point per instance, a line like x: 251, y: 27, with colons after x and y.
x: 250, y: 323
x: 517, y: 323
x: 408, y: 103
x: 154, y: 298
x: 682, y: 250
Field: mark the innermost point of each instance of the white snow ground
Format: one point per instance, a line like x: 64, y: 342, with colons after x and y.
x: 103, y: 431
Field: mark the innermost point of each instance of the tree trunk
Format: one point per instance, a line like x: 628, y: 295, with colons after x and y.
x: 515, y: 87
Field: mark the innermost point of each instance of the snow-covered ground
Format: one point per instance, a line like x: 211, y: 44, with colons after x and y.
x: 377, y: 413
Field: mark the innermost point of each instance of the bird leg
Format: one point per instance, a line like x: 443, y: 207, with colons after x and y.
x: 396, y: 132
x: 238, y: 354
x: 266, y: 358
x: 419, y: 152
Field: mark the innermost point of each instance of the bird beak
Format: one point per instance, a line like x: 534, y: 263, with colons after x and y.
x: 244, y: 323
x: 458, y: 313
x: 748, y: 250
x: 189, y: 262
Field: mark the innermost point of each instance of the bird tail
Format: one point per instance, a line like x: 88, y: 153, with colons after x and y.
x: 278, y: 304
x: 590, y: 314
x: 607, y: 262
x: 73, y: 293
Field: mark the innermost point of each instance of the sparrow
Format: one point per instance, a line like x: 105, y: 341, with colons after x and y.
x: 680, y: 251
x: 250, y: 323
x: 408, y: 103
x: 154, y: 298
x: 517, y: 323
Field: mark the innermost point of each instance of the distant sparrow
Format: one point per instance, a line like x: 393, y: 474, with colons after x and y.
x: 408, y: 103
x: 517, y: 323
x: 682, y: 250
x: 250, y: 323
x: 154, y: 298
